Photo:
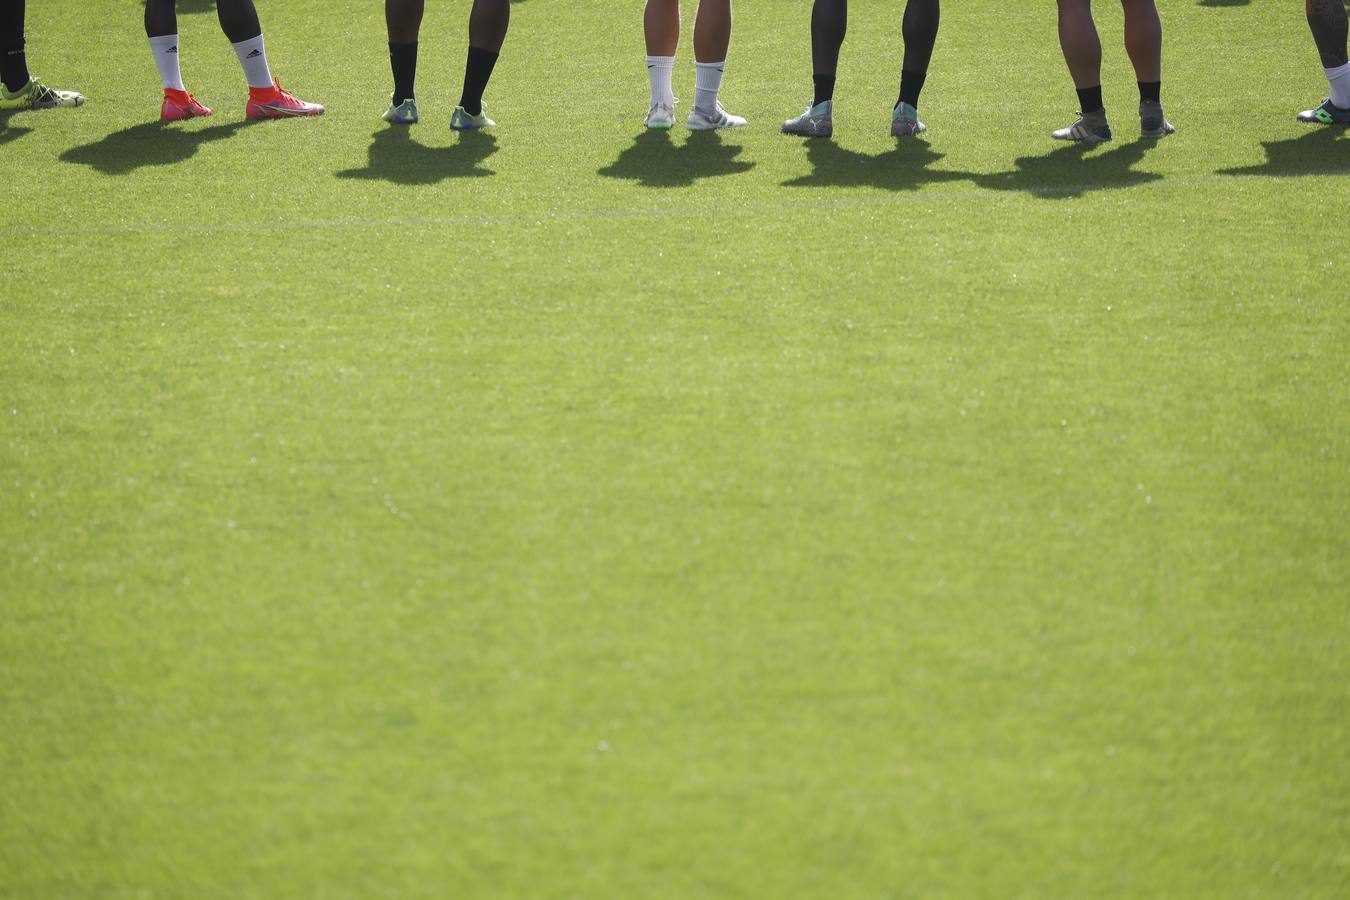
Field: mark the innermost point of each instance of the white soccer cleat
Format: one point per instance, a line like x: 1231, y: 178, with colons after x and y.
x: 661, y: 115
x: 700, y: 120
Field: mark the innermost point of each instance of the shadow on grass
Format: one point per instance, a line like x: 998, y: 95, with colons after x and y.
x: 148, y: 144
x: 654, y: 160
x: 1072, y: 171
x: 10, y: 132
x: 1225, y: 2
x: 906, y: 168
x: 1319, y: 152
x: 395, y: 157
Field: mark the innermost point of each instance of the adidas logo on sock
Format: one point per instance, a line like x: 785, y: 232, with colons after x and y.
x: 173, y: 49
x: 254, y: 55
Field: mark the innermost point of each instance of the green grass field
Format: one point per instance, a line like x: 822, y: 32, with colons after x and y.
x: 575, y: 512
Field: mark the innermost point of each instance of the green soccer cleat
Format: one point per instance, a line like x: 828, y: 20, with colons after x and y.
x: 905, y: 122
x: 404, y: 113
x: 462, y: 121
x: 36, y: 95
x: 1327, y: 113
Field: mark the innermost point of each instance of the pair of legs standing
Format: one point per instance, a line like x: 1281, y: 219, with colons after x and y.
x: 239, y: 21
x: 1083, y: 52
x: 712, y: 37
x: 829, y: 24
x: 1327, y: 20
x: 18, y: 88
x: 488, y: 24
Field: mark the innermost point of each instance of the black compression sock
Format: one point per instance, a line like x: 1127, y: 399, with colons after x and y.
x: 911, y: 85
x: 13, y: 62
x: 403, y: 62
x: 1150, y: 92
x: 824, y: 88
x: 1090, y: 100
x: 477, y: 71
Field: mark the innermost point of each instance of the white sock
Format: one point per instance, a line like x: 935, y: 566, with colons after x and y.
x: 1340, y: 85
x: 254, y: 60
x: 661, y: 71
x: 165, y: 51
x: 707, y: 82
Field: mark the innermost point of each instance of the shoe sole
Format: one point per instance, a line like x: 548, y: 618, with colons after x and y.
x: 1081, y: 140
x: 828, y: 132
x: 272, y: 113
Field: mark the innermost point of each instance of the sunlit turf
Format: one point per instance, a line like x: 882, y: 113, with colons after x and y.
x: 569, y: 511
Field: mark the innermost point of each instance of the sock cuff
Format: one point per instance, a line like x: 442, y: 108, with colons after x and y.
x: 1338, y: 71
x: 661, y: 61
x: 163, y: 40
x: 719, y: 66
x: 255, y: 41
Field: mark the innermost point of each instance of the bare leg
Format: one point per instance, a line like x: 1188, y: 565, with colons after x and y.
x: 1078, y: 39
x: 403, y: 18
x: 1143, y: 39
x: 661, y: 24
x: 712, y: 30
x: 488, y: 23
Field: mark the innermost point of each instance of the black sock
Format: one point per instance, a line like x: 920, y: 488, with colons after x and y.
x: 14, y: 65
x: 911, y: 84
x: 824, y: 88
x: 829, y: 22
x: 403, y: 62
x: 13, y: 62
x: 477, y: 71
x: 1090, y: 100
x: 1150, y: 92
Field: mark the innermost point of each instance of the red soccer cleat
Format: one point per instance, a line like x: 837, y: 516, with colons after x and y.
x: 180, y: 105
x: 275, y: 103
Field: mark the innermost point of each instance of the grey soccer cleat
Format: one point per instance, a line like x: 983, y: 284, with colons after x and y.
x: 1327, y: 113
x: 905, y: 122
x: 1152, y: 122
x: 704, y: 120
x: 817, y: 121
x: 1091, y: 128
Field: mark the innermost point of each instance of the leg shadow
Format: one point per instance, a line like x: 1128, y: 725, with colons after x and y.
x: 10, y: 132
x: 148, y: 144
x: 1074, y: 170
x: 1225, y: 2
x: 906, y: 168
x: 395, y: 157
x: 1319, y: 152
x: 654, y: 160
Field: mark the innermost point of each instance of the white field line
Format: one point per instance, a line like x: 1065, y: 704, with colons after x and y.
x: 884, y: 198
